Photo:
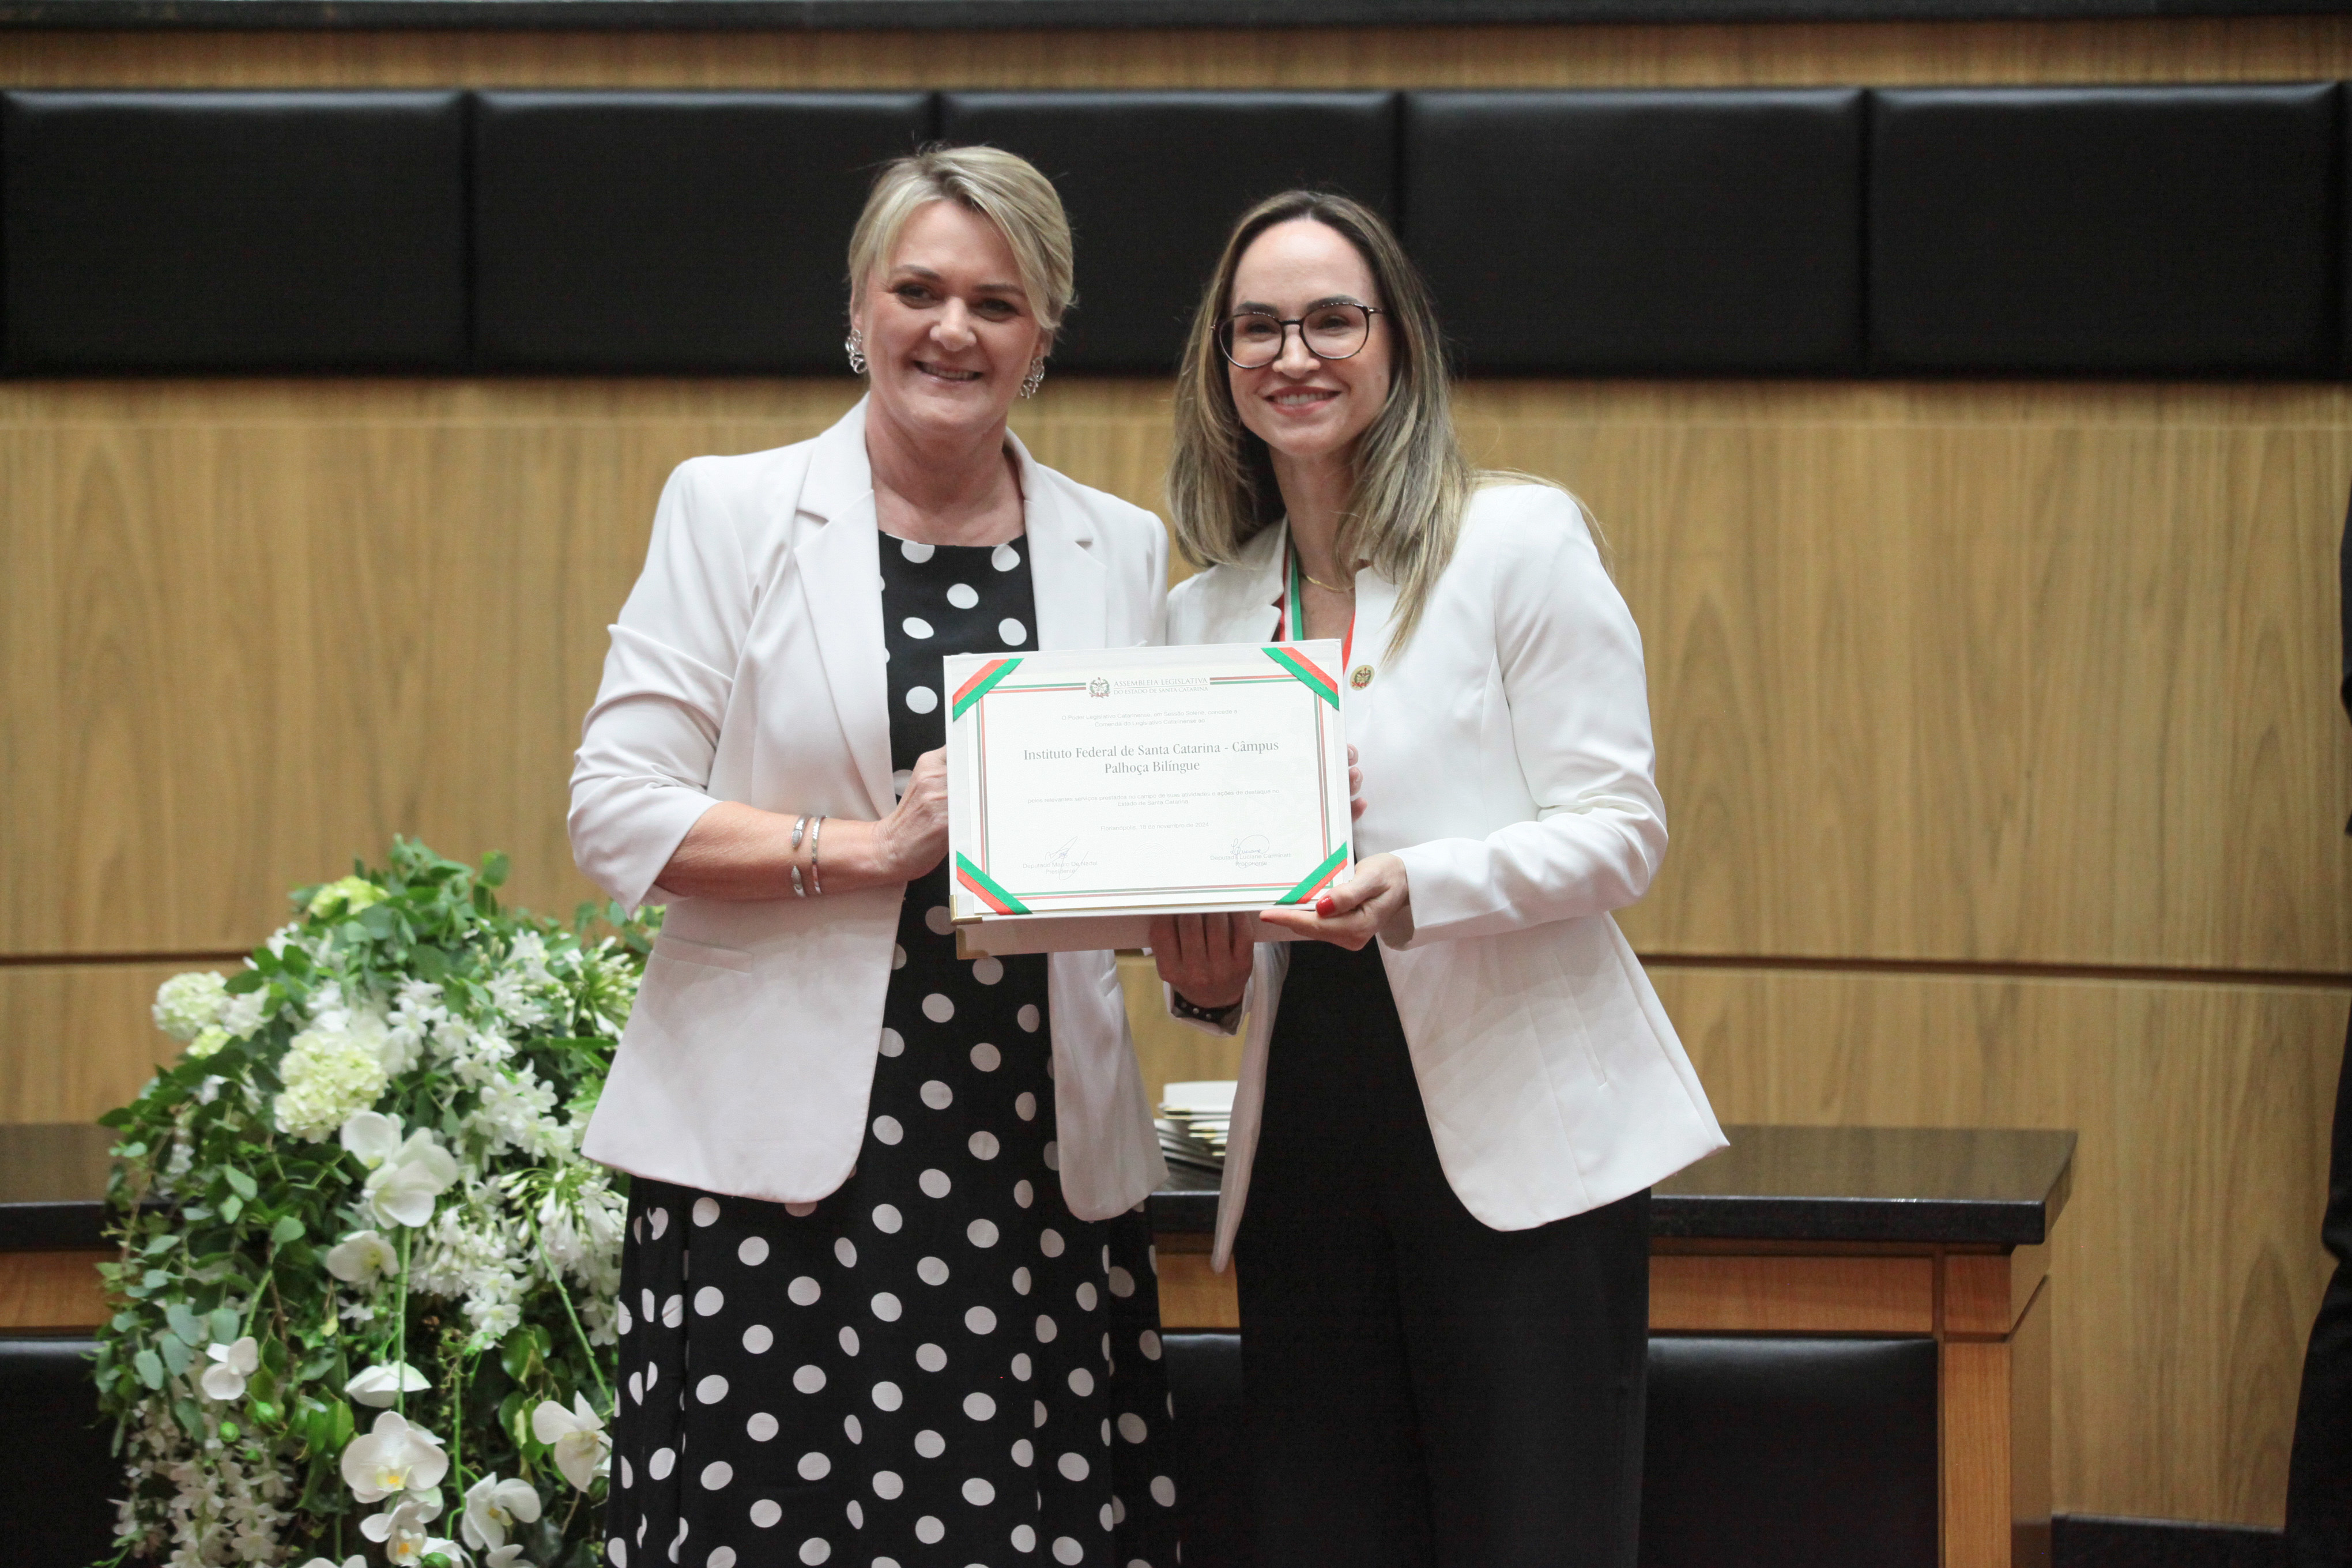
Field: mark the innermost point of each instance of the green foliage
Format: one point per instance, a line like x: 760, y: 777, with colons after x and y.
x: 406, y: 992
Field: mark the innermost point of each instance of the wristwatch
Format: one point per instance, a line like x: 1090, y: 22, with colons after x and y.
x: 1184, y: 1006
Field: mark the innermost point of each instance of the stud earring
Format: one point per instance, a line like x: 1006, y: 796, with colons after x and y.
x: 855, y: 345
x: 1036, y: 378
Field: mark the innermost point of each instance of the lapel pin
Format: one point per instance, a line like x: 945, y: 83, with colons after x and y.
x: 1361, y: 676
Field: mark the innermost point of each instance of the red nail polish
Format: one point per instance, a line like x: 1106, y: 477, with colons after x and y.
x: 1325, y: 906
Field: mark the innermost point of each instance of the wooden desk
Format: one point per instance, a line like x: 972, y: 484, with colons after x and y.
x: 52, y: 1182
x: 1858, y: 1232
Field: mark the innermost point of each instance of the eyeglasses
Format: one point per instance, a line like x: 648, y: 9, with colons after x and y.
x: 1252, y: 339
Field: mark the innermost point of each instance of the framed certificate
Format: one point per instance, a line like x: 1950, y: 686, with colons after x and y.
x: 1090, y: 791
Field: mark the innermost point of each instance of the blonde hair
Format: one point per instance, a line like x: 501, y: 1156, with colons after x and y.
x: 1411, y: 481
x: 1002, y: 188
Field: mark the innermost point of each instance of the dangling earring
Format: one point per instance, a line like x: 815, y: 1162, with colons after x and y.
x: 855, y: 346
x: 1036, y: 378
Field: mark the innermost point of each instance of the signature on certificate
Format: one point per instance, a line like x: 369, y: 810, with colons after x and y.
x: 1067, y: 859
x: 1248, y: 851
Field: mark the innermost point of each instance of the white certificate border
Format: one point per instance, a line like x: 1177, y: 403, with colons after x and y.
x: 1339, y: 849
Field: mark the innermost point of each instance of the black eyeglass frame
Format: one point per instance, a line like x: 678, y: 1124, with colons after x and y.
x: 1224, y: 346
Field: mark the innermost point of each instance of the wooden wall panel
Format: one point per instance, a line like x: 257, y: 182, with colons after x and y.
x: 79, y: 1041
x: 2187, y: 1265
x: 2016, y: 675
x: 2238, y: 49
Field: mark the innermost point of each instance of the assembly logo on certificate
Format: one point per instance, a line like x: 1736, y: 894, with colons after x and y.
x: 1136, y: 782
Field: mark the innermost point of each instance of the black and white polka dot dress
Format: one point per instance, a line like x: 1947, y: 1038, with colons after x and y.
x: 938, y: 1365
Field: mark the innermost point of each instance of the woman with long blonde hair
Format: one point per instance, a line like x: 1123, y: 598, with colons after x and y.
x: 1457, y: 1086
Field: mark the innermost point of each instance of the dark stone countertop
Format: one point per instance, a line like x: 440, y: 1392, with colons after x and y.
x: 52, y: 1186
x: 1968, y: 1186
x: 1960, y: 1187
x: 802, y: 15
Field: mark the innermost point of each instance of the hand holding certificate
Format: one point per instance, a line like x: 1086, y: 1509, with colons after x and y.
x: 1091, y: 791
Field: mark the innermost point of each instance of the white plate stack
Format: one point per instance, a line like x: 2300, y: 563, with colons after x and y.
x: 1193, y: 1120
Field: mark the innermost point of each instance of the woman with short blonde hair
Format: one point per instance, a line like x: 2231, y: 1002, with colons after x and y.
x: 1458, y: 1085
x: 886, y: 1294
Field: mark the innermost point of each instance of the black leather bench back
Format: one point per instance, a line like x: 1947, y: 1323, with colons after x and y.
x: 56, y: 1489
x: 1983, y: 231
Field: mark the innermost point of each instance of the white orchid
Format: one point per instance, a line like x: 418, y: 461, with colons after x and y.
x: 382, y: 1386
x: 506, y: 1557
x: 583, y: 1450
x: 401, y: 1531
x: 361, y: 1259
x: 372, y: 1135
x: 353, y: 1560
x: 232, y: 1365
x: 395, y: 1456
x: 493, y: 1507
x: 407, y: 1177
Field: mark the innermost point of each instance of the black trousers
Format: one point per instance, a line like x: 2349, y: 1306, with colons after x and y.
x: 2319, y: 1467
x: 1423, y: 1390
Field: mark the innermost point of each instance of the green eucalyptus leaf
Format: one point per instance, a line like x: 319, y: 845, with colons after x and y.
x: 234, y: 1207
x: 226, y: 1324
x: 185, y: 1324
x: 150, y: 1368
x: 176, y: 1353
x: 239, y: 1183
x: 288, y: 1228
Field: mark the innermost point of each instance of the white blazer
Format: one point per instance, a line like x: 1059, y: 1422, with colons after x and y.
x: 1508, y: 762
x: 748, y: 666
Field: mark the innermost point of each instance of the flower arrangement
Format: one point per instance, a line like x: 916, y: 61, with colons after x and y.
x: 364, y: 1264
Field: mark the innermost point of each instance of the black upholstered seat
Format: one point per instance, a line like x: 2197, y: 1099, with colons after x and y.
x: 1154, y: 179
x: 674, y: 231
x: 1768, y: 1453
x: 55, y: 1488
x: 1609, y: 233
x: 2103, y: 230
x: 235, y: 231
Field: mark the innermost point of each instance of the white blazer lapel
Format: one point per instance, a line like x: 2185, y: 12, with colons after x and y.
x: 1071, y: 584
x: 840, y: 571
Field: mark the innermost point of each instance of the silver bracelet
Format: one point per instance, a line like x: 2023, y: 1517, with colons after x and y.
x: 798, y: 827
x: 816, y: 872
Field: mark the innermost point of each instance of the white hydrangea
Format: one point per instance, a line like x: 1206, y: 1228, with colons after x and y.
x: 243, y: 1018
x: 331, y: 1074
x: 187, y: 1005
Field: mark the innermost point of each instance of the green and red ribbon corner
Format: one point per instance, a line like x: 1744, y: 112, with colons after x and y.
x: 1315, y: 881
x: 1307, y: 672
x: 985, y: 889
x: 983, y: 681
